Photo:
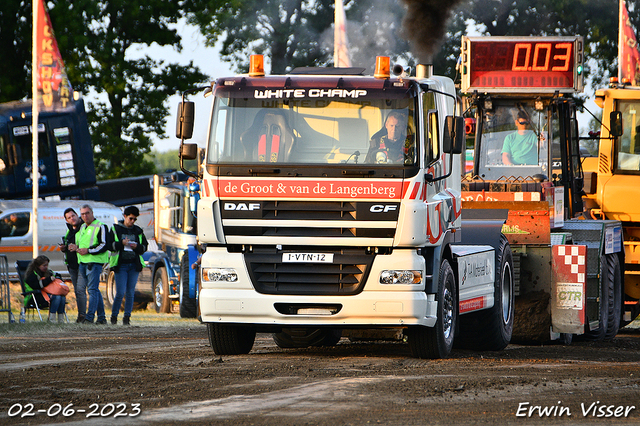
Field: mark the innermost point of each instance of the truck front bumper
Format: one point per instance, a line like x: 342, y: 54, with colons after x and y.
x: 374, y: 309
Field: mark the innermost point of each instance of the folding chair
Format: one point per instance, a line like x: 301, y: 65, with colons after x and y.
x: 30, y: 302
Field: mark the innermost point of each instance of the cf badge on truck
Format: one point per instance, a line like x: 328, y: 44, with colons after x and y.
x: 377, y: 211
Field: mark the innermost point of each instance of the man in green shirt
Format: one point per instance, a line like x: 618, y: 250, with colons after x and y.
x: 521, y: 146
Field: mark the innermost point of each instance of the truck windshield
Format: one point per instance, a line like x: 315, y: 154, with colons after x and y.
x: 628, y: 145
x: 514, y: 141
x: 307, y: 130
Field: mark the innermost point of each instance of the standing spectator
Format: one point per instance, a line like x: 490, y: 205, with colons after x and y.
x: 68, y: 247
x: 128, y: 245
x: 37, y: 277
x: 92, y: 239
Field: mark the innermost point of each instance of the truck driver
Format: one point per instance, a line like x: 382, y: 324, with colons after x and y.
x: 521, y: 146
x: 390, y: 144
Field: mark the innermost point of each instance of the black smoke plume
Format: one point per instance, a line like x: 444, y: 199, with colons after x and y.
x: 424, y: 25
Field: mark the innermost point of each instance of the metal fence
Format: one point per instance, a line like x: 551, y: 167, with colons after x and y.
x: 5, y: 291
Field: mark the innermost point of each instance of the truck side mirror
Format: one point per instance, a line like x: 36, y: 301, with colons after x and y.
x: 189, y: 151
x: 201, y: 155
x: 454, y: 133
x: 615, y: 123
x: 184, y: 120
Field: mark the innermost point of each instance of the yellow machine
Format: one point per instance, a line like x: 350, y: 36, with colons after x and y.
x: 612, y: 179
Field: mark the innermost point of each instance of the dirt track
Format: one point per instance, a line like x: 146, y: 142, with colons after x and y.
x: 171, y: 372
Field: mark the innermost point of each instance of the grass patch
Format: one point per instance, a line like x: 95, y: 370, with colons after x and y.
x: 145, y: 318
x: 140, y: 317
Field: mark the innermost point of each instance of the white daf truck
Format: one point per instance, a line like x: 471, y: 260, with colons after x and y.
x: 330, y: 201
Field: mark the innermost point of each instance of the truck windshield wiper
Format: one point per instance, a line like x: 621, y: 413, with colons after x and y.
x: 263, y: 171
x: 357, y: 172
x: 355, y: 156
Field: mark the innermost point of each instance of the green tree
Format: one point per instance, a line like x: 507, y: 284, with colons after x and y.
x: 104, y: 37
x: 375, y: 29
x: 287, y: 32
x: 15, y: 48
x: 102, y: 43
x: 446, y: 57
x: 167, y: 160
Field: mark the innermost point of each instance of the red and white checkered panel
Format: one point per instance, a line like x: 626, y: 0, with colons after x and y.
x: 573, y: 265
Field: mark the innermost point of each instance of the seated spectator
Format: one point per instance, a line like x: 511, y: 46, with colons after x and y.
x: 37, y: 277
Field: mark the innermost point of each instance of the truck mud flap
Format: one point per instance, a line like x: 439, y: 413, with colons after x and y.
x: 482, y: 226
x: 568, y: 296
x: 193, y: 254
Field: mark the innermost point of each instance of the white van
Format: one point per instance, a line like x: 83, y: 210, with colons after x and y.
x: 16, y: 235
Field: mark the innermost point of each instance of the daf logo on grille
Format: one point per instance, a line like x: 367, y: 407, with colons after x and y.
x: 382, y: 208
x: 242, y: 206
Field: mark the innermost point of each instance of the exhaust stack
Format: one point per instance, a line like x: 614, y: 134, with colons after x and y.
x: 424, y: 71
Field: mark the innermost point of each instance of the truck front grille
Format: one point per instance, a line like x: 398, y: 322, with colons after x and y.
x: 345, y: 276
x: 277, y: 231
x: 309, y: 219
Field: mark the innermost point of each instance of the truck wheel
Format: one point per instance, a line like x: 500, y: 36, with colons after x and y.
x: 565, y: 339
x: 606, y: 286
x: 188, y: 306
x: 161, y: 291
x: 285, y: 340
x: 305, y: 337
x: 198, y: 313
x: 331, y: 338
x: 491, y: 329
x: 111, y: 290
x: 614, y: 281
x: 231, y: 340
x: 437, y: 342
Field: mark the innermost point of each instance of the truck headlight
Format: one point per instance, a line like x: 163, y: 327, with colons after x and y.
x: 400, y: 277
x: 219, y: 274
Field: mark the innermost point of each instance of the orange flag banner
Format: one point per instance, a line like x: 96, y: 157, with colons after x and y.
x: 54, y: 90
x: 629, y: 60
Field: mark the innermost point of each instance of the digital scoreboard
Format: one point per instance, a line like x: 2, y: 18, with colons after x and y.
x: 522, y: 64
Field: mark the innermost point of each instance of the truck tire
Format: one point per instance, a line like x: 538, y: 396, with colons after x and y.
x: 111, y: 290
x: 614, y: 281
x: 110, y: 295
x: 188, y: 305
x: 606, y: 286
x: 161, y: 291
x: 304, y: 337
x: 437, y: 342
x: 491, y: 329
x: 231, y: 340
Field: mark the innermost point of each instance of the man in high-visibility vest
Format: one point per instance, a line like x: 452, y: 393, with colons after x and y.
x: 92, y: 255
x: 68, y: 247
